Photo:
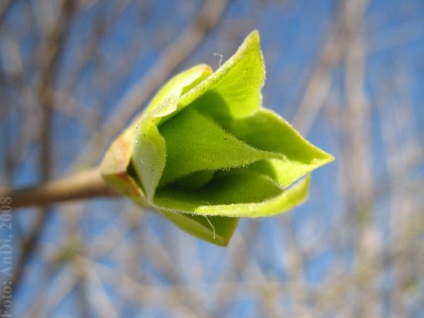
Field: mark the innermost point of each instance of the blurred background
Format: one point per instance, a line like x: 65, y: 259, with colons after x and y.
x: 348, y: 74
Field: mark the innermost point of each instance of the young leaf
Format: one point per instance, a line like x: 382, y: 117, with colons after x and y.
x: 214, y: 229
x: 195, y: 143
x: 301, y: 157
x: 205, y: 152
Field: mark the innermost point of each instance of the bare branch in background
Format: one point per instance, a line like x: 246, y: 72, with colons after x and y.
x: 319, y: 81
x: 53, y: 49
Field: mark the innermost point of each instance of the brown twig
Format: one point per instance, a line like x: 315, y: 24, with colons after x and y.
x: 84, y: 185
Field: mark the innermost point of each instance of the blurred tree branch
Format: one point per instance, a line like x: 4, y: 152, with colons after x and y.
x: 5, y: 6
x: 84, y: 185
x: 53, y: 49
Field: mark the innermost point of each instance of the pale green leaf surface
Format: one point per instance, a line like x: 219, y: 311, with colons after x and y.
x: 214, y: 229
x: 182, y: 82
x: 195, y: 143
x: 148, y: 155
x: 235, y: 194
x: 149, y: 150
x: 267, y: 131
x: 237, y: 83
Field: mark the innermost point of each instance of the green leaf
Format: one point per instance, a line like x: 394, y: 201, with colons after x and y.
x: 195, y: 143
x: 214, y: 229
x: 235, y: 194
x: 267, y: 131
x: 178, y: 85
x: 238, y: 84
x: 148, y: 155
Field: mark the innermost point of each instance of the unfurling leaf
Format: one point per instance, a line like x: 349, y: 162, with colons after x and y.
x: 205, y: 152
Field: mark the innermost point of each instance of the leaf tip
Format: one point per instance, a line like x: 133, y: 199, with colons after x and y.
x: 254, y: 36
